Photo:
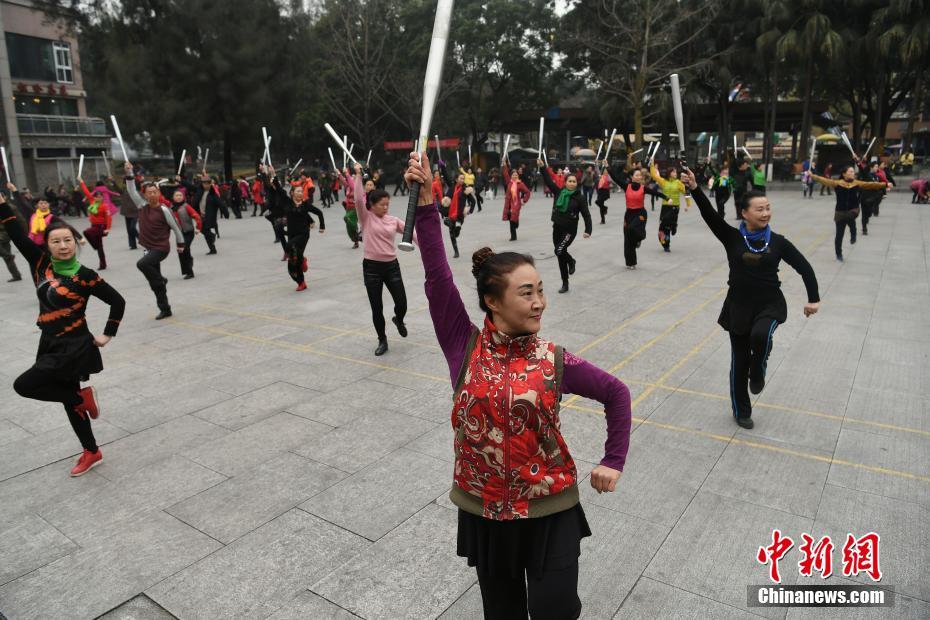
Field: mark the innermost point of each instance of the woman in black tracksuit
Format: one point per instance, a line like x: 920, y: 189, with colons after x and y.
x: 754, y: 306
x: 297, y: 209
x: 567, y: 204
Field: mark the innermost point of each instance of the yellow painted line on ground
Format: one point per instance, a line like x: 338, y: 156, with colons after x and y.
x: 303, y: 348
x: 668, y: 373
x: 671, y: 427
x: 807, y: 412
x: 761, y: 446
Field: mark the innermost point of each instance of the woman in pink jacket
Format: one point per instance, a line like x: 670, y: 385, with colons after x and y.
x: 516, y: 194
x: 380, y: 267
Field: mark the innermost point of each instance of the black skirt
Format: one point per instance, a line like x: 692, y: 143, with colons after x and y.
x: 741, y: 309
x: 69, y: 358
x: 508, y: 548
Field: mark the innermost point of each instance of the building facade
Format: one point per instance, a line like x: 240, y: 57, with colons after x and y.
x: 45, y: 125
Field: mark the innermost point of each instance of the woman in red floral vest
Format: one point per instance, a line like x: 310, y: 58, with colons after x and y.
x: 515, y: 483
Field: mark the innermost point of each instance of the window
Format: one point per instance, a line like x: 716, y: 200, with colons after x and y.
x: 63, y: 71
x: 31, y: 58
x: 56, y: 106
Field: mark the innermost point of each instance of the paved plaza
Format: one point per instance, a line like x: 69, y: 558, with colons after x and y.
x: 260, y: 462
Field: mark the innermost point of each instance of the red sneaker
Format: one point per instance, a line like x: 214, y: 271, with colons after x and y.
x: 304, y: 265
x: 87, y: 462
x: 302, y: 287
x: 89, y: 403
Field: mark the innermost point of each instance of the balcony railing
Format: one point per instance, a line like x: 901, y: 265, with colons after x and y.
x: 40, y: 125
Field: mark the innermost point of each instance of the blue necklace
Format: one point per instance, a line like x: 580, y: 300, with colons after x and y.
x: 759, y: 235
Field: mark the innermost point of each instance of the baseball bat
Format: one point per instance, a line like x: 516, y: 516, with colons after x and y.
x: 431, y: 84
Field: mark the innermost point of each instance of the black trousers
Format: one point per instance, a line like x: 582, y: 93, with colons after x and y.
x: 277, y: 224
x: 42, y: 385
x: 6, y: 253
x: 150, y: 266
x: 378, y: 274
x: 210, y: 233
x: 749, y: 354
x: 94, y: 235
x: 295, y: 256
x: 513, y: 230
x: 634, y: 231
x: 869, y: 208
x: 668, y: 224
x: 841, y: 232
x: 588, y: 193
x: 550, y: 596
x: 721, y: 195
x: 479, y: 198
x: 455, y: 229
x: 132, y: 232
x: 738, y: 200
x: 472, y: 202
x: 562, y: 238
x: 602, y: 196
x: 186, y: 258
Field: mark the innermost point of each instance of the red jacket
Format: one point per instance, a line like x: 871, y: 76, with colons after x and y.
x: 102, y: 217
x: 516, y: 194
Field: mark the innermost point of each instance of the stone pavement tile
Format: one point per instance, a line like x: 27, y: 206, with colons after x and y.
x: 902, y: 452
x: 251, y: 375
x: 367, y: 505
x: 584, y: 431
x: 252, y: 445
x: 255, y: 406
x: 654, y: 599
x: 467, y: 607
x: 241, y: 504
x: 368, y: 438
x: 909, y: 378
x: 413, y: 381
x: 261, y: 572
x: 897, y: 350
x: 35, y: 417
x: 885, y: 407
x: 896, y: 328
x: 781, y: 481
x: 308, y: 605
x: 412, y: 572
x: 30, y: 491
x: 138, y: 608
x: 438, y: 443
x: 904, y: 528
x: 821, y: 390
x: 87, y: 516
x: 96, y: 579
x: 155, y: 444
x: 28, y: 542
x: 433, y: 403
x: 30, y: 453
x: 176, y: 377
x: 344, y: 404
x: 810, y: 433
x: 663, y: 471
x: 905, y: 608
x: 712, y: 550
x: 708, y: 415
x: 613, y: 558
x: 11, y: 432
x: 133, y: 411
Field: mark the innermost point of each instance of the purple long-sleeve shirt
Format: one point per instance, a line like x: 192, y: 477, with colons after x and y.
x: 453, y: 328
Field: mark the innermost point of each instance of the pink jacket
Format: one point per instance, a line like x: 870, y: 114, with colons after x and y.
x: 380, y: 232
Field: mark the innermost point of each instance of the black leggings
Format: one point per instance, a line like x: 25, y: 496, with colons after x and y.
x: 634, y: 231
x: 841, y: 232
x: 721, y: 195
x: 561, y: 239
x: 455, y: 229
x: 551, y: 596
x: 94, y: 235
x: 749, y: 354
x: 150, y: 266
x: 603, y: 195
x: 295, y: 256
x: 42, y: 385
x: 185, y: 257
x: 378, y: 274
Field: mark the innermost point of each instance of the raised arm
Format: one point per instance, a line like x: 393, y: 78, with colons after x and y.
x: 869, y: 185
x: 618, y: 176
x: 549, y: 181
x: 86, y: 192
x: 30, y: 251
x: 450, y: 319
x: 720, y: 228
x: 654, y: 173
x: 823, y: 180
x: 173, y: 223
x: 133, y: 192
x: 588, y: 381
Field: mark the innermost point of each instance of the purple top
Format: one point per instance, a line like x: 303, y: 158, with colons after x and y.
x: 453, y: 327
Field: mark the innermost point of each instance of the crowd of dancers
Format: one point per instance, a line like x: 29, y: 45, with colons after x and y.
x: 515, y: 483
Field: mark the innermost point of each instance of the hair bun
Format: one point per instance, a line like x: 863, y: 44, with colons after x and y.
x: 479, y: 258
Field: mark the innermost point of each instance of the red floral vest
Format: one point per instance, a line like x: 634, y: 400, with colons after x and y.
x: 511, y: 461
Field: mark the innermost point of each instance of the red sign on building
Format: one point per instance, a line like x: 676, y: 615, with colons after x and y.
x: 406, y: 145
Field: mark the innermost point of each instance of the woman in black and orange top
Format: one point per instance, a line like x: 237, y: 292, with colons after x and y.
x: 848, y: 192
x: 68, y: 352
x: 634, y: 219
